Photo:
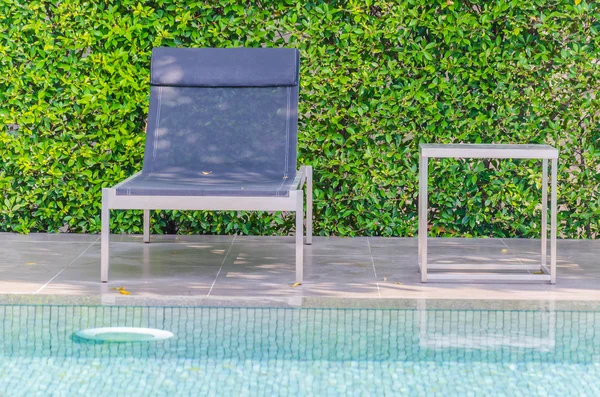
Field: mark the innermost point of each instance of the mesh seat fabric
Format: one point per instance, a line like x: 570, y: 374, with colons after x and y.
x: 210, y: 135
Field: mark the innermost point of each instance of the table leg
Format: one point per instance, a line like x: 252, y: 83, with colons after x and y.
x: 423, y: 181
x: 544, y: 210
x: 553, y: 224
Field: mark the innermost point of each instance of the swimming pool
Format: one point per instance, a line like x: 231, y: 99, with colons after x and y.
x: 286, y: 351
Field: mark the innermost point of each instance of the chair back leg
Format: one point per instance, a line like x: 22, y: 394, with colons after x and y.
x: 146, y: 226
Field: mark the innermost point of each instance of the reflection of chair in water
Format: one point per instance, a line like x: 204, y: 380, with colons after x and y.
x: 222, y: 135
x: 487, y: 329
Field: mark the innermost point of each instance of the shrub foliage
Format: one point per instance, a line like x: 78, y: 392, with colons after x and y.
x: 377, y: 79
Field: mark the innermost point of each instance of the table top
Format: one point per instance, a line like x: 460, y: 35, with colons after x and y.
x: 498, y: 151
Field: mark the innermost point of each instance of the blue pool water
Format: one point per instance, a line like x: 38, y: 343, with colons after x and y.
x: 320, y: 352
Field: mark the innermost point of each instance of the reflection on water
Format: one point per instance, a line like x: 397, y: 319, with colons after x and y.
x: 487, y: 329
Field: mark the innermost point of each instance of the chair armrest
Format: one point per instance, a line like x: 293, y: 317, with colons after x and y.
x: 300, y: 178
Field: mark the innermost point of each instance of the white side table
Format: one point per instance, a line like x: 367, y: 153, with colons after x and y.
x: 497, y: 151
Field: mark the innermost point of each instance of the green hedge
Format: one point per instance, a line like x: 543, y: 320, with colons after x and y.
x: 377, y: 78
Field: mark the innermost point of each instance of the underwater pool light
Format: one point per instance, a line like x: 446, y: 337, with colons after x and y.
x: 123, y: 334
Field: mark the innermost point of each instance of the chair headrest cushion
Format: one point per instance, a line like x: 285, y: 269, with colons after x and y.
x: 224, y: 67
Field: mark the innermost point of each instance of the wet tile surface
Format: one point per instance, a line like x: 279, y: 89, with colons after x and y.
x: 250, y: 266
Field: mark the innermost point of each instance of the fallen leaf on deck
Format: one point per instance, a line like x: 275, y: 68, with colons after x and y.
x: 174, y: 253
x: 296, y: 285
x: 121, y: 290
x: 398, y: 282
x: 504, y: 250
x: 30, y: 263
x: 538, y: 272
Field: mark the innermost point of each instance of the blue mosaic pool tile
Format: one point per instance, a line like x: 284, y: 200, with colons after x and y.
x: 320, y: 352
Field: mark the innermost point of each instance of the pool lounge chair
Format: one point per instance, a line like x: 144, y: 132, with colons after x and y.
x: 222, y: 135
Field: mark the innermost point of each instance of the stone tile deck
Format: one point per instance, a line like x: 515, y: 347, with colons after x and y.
x: 263, y: 267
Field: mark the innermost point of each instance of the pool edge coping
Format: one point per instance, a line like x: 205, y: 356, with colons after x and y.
x: 301, y: 302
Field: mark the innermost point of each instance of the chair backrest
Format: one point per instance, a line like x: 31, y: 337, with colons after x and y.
x: 223, y: 109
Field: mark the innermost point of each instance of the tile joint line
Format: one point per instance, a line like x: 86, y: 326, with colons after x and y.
x: 374, y: 271
x: 222, y: 264
x: 518, y: 259
x: 64, y: 268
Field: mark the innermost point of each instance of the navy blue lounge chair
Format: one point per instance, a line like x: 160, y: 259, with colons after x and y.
x: 222, y: 135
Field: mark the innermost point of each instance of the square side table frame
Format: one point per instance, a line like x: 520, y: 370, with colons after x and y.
x: 493, y: 151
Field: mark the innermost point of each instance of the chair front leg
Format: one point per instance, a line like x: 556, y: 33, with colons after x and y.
x: 105, y: 235
x: 299, y: 237
x: 309, y: 203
